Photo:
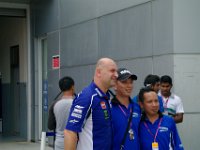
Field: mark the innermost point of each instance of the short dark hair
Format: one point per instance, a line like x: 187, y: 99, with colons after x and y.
x: 166, y: 79
x: 143, y: 91
x: 151, y: 79
x: 66, y: 83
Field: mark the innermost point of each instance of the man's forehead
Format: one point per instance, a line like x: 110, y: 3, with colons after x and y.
x: 127, y: 80
x: 150, y: 94
x: 165, y: 84
x: 110, y: 66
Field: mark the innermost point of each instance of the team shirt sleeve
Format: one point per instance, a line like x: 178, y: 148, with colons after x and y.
x: 175, y: 139
x: 78, y: 113
x: 179, y: 108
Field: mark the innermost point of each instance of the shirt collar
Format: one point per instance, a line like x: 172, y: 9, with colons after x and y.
x: 100, y: 92
x: 115, y: 101
x: 144, y: 118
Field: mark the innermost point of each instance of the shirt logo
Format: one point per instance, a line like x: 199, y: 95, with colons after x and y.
x: 73, y: 121
x: 103, y: 105
x: 125, y: 71
x: 135, y: 115
x: 163, y: 129
x: 106, y: 116
x: 76, y: 115
x: 77, y: 112
x: 79, y: 107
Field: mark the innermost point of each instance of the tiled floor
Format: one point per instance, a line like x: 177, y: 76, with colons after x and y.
x: 16, y: 143
x: 21, y: 146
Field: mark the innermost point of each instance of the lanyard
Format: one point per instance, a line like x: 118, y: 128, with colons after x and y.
x: 165, y: 103
x: 154, y: 136
x: 125, y: 114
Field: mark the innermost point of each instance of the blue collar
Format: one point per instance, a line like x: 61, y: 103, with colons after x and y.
x: 100, y: 92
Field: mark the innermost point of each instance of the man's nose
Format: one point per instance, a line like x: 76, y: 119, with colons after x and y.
x: 116, y: 74
x: 154, y: 103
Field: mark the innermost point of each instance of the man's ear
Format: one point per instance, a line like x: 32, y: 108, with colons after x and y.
x: 98, y: 72
x: 73, y: 88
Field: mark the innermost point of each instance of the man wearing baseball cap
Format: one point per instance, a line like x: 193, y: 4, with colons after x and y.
x: 125, y: 113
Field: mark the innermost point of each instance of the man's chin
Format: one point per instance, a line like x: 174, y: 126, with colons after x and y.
x: 164, y: 93
x: 112, y: 84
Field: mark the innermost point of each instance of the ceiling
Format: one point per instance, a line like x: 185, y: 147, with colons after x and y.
x: 14, y: 12
x: 16, y: 1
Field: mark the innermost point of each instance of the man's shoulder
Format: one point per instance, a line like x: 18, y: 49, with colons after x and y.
x: 63, y: 102
x: 168, y: 120
x: 87, y: 92
x: 175, y: 97
x: 53, y: 103
x: 85, y: 96
x: 135, y: 99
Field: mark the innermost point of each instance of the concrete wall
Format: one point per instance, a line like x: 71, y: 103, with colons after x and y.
x: 146, y: 36
x: 186, y: 67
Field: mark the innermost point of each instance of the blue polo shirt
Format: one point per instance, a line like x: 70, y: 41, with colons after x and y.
x: 161, y: 107
x: 90, y: 116
x: 120, y: 116
x: 167, y: 136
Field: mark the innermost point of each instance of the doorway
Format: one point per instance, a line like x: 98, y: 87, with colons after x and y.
x: 15, y: 69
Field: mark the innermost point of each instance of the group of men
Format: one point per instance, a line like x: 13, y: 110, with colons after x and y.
x: 101, y: 120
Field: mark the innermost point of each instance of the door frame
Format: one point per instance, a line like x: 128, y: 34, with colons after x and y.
x: 39, y: 87
x: 29, y: 61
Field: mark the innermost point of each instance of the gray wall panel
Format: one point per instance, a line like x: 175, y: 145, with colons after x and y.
x: 110, y: 6
x: 186, y: 80
x: 46, y: 17
x: 124, y: 34
x: 163, y: 65
x: 53, y: 87
x: 76, y: 11
x: 52, y: 47
x: 162, y: 20
x: 82, y: 75
x: 189, y: 131
x: 79, y: 44
x: 186, y: 26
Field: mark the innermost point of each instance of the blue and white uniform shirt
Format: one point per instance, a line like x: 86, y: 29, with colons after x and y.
x: 120, y: 117
x: 167, y: 135
x: 90, y: 116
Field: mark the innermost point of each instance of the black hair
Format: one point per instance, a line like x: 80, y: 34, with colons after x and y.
x: 151, y: 80
x: 142, y: 91
x: 166, y: 79
x: 66, y: 83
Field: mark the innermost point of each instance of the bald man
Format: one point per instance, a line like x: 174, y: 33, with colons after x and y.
x: 89, y: 124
